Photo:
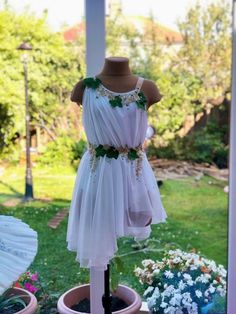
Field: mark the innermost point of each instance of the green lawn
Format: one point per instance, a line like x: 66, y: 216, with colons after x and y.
x: 197, y: 218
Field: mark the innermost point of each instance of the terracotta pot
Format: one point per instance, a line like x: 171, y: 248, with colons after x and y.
x: 75, y: 295
x: 28, y: 297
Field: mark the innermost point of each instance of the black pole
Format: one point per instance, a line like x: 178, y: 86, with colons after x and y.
x: 106, y: 298
x: 28, y: 175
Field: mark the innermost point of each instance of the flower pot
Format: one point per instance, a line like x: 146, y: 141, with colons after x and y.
x: 75, y: 295
x: 28, y: 298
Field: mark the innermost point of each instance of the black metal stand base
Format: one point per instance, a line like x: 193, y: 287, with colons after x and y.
x: 107, y: 298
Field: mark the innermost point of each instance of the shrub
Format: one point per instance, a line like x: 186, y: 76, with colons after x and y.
x: 206, y: 145
x: 64, y: 150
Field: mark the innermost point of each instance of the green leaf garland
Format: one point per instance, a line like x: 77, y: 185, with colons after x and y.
x: 132, y: 154
x: 92, y: 82
x: 115, y: 101
x: 111, y: 152
x: 142, y: 100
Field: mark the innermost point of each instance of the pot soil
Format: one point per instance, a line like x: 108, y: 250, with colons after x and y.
x: 72, y: 300
x: 117, y: 304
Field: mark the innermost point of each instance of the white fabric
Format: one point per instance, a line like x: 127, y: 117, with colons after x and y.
x: 111, y: 202
x: 18, y: 247
x: 139, y: 82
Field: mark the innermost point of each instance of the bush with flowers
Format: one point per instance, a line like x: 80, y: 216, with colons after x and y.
x: 29, y: 281
x: 181, y: 283
x: 47, y: 302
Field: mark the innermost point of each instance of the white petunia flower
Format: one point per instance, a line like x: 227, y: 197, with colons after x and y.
x: 212, y: 289
x: 187, y: 296
x: 168, y: 274
x: 175, y: 300
x: 181, y: 285
x: 156, y: 271
x: 190, y: 282
x: 177, y: 260
x: 156, y: 292
x: 169, y: 310
x: 198, y: 293
x: 187, y: 276
x: 148, y: 290
x: 163, y: 304
x: 147, y: 262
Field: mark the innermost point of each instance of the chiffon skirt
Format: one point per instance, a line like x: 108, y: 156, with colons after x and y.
x: 108, y: 204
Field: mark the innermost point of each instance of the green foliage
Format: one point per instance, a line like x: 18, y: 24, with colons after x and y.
x: 191, y: 78
x: 117, y: 267
x: 78, y: 148
x: 205, y: 145
x: 219, y: 306
x: 52, y: 70
x: 11, y: 302
x: 206, y: 52
x: 64, y: 150
x: 57, y: 152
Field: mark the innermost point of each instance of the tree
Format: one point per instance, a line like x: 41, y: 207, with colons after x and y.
x: 53, y: 69
x: 198, y: 76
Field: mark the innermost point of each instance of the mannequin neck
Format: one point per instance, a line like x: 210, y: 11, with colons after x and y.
x: 116, y: 66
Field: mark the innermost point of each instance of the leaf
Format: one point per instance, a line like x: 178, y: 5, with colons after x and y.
x: 119, y: 264
x: 116, y: 101
x: 142, y: 101
x: 100, y: 151
x: 112, y: 153
x: 91, y: 82
x: 114, y: 282
x: 132, y: 154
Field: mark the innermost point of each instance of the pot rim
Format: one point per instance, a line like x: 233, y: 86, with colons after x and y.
x: 137, y: 297
x: 32, y: 301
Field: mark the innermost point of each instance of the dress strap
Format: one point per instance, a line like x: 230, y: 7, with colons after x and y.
x: 139, y: 83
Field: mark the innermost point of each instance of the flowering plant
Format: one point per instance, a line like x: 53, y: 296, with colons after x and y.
x: 181, y: 283
x: 29, y: 281
x: 47, y: 301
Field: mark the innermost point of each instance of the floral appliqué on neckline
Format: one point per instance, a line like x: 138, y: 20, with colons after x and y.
x: 117, y: 99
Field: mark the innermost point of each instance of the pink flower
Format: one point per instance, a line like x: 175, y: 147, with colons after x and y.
x: 34, y: 277
x: 30, y: 287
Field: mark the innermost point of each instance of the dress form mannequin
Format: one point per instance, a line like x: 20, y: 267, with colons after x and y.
x: 117, y: 76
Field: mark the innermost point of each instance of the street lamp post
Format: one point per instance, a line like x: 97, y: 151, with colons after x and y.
x: 28, y: 176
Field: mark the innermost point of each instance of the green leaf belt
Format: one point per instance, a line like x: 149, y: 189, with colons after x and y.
x: 114, y: 152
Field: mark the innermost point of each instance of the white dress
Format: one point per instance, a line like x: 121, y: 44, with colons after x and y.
x: 111, y: 200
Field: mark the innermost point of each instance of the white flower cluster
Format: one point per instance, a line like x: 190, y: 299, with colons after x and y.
x: 180, y: 282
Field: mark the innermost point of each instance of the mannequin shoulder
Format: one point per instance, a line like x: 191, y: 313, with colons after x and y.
x: 151, y: 91
x: 77, y: 92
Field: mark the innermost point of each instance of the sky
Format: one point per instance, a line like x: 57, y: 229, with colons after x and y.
x: 70, y: 12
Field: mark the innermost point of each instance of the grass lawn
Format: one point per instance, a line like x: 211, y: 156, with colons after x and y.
x: 197, y: 218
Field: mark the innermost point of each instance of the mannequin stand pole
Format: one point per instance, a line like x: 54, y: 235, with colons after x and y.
x: 107, y: 298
